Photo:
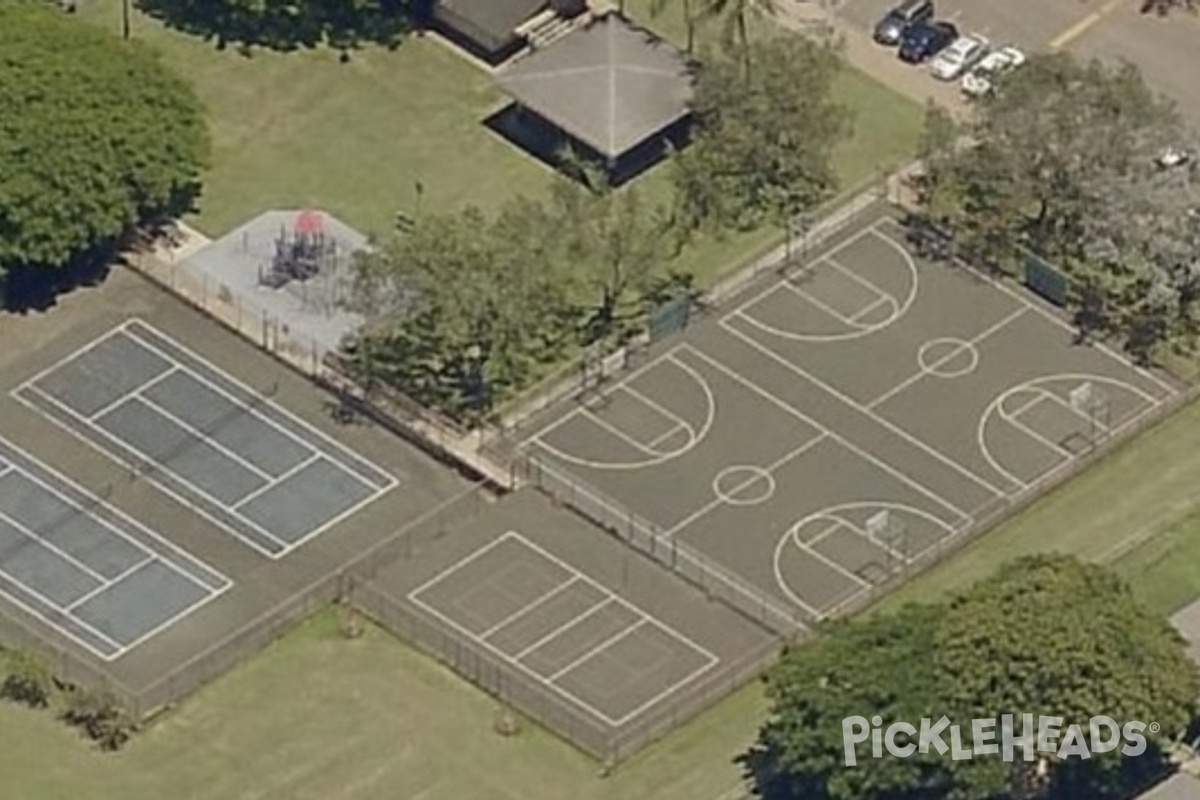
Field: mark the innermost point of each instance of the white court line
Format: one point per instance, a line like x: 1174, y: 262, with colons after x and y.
x: 1101, y: 346
x: 867, y: 309
x: 806, y: 548
x: 1021, y: 409
x: 795, y: 452
x: 594, y: 418
x: 666, y: 412
x: 1034, y: 434
x: 836, y: 523
x: 611, y: 597
x: 1052, y: 397
x: 118, y: 648
x: 133, y: 393
x: 254, y: 409
x: 854, y: 276
x: 108, y: 584
x: 211, y: 442
x: 595, y: 651
x: 280, y: 478
x: 163, y: 468
x: 561, y: 629
x: 528, y: 607
x: 854, y: 404
x: 758, y: 297
x: 97, y: 502
x: 58, y: 551
x: 828, y: 309
x: 657, y: 440
x: 963, y: 516
x: 974, y: 340
x: 896, y: 554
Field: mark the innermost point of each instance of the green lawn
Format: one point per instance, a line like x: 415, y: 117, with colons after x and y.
x: 299, y: 129
x: 317, y: 717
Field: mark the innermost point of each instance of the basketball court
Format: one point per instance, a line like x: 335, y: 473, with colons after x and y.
x: 832, y: 426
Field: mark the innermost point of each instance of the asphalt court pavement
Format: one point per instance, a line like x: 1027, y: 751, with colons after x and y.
x: 868, y: 385
x: 221, y: 447
x: 578, y: 639
x: 82, y: 567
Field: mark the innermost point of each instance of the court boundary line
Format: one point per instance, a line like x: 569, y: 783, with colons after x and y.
x: 157, y: 469
x: 1047, y: 314
x: 869, y: 457
x: 521, y: 612
x: 854, y: 405
x: 390, y: 482
x: 643, y: 617
x: 695, y: 437
x: 185, y: 486
x: 900, y: 307
x: 211, y: 592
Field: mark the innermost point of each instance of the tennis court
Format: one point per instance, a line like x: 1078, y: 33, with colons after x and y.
x: 564, y: 630
x: 219, y: 446
x: 832, y: 426
x: 84, y: 568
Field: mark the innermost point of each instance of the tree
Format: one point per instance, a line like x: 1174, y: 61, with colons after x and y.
x: 1051, y: 635
x: 96, y: 138
x: 1060, y: 160
x: 735, y: 16
x: 763, y: 144
x: 617, y: 243
x: 462, y: 309
x: 28, y: 679
x: 1045, y: 635
x: 289, y: 24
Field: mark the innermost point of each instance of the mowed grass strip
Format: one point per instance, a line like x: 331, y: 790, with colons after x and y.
x: 319, y: 717
x: 300, y: 129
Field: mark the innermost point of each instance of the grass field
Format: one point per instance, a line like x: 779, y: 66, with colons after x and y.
x: 317, y: 717
x: 300, y: 129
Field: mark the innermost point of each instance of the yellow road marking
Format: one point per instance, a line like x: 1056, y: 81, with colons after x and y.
x: 1084, y: 25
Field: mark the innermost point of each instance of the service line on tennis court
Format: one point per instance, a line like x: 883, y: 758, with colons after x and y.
x: 921, y: 373
x: 854, y: 404
x: 964, y: 518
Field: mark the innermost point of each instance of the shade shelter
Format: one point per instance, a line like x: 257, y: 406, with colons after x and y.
x: 610, y: 91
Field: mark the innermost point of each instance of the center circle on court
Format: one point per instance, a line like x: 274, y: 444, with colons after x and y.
x: 948, y: 358
x: 743, y: 485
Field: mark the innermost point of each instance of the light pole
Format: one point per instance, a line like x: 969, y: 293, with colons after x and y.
x: 126, y: 30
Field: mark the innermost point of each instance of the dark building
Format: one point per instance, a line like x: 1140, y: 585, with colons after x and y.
x: 492, y: 29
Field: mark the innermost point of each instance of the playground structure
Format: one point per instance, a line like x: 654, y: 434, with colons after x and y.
x: 308, y: 262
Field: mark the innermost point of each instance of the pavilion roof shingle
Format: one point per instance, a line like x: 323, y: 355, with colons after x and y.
x: 609, y: 84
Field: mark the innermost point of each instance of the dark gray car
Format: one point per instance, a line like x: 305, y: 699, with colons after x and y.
x: 892, y: 27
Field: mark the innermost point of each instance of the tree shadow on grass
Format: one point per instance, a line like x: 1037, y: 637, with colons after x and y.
x: 288, y: 26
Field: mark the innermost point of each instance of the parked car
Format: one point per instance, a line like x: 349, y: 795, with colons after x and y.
x: 979, y: 81
x: 1174, y: 157
x: 925, y: 40
x: 959, y: 57
x: 891, y: 28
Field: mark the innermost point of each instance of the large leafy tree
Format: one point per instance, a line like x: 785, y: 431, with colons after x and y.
x: 96, y: 137
x: 1043, y: 636
x: 1060, y: 160
x: 764, y: 141
x: 287, y: 24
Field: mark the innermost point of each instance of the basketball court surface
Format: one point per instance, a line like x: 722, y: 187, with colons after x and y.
x: 829, y: 429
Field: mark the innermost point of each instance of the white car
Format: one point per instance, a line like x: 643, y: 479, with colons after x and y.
x: 959, y: 57
x: 978, y: 81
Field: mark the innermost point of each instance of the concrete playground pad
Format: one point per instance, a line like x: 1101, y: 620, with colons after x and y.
x: 828, y: 430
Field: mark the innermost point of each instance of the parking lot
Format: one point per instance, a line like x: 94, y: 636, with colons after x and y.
x: 1166, y: 50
